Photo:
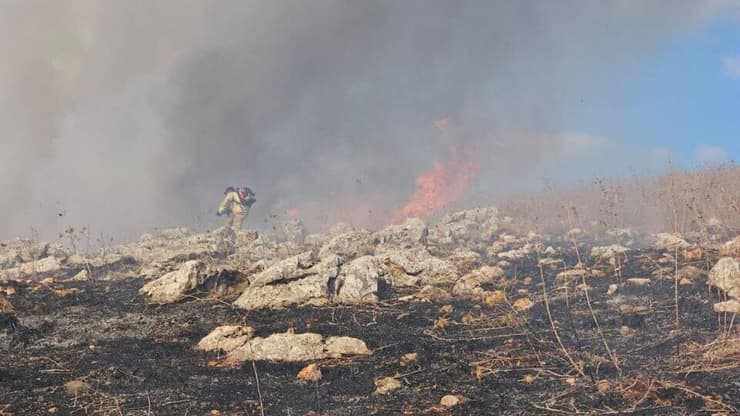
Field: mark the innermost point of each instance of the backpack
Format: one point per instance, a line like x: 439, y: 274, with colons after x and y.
x: 246, y: 196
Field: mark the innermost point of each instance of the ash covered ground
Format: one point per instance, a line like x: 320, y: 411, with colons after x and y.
x: 464, y: 316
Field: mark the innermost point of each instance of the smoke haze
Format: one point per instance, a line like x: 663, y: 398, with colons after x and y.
x: 124, y: 116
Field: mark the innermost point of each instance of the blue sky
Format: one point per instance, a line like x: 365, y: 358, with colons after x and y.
x: 683, y: 98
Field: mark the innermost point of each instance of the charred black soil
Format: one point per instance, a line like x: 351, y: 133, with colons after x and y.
x: 628, y: 357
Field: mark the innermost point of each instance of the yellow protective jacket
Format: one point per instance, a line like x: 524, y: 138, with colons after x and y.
x: 231, y: 204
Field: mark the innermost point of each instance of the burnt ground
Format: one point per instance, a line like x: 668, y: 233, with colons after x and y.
x: 138, y: 359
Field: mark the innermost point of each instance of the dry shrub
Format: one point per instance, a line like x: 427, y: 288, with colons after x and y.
x: 680, y: 201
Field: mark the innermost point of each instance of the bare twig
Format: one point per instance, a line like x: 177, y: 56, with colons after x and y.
x: 609, y: 351
x: 552, y: 324
x: 259, y: 390
x: 675, y: 289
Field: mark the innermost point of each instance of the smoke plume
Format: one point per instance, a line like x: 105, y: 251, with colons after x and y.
x: 123, y: 116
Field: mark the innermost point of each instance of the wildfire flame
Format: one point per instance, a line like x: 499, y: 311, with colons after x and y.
x: 441, y: 185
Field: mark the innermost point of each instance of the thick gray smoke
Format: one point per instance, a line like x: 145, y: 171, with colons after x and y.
x: 124, y: 116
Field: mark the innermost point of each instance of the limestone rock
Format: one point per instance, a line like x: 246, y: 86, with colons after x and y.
x: 82, y: 276
x: 608, y: 252
x: 475, y: 279
x: 33, y: 251
x: 311, y: 372
x: 359, y: 280
x: 730, y: 306
x: 43, y: 266
x: 15, y: 253
x: 551, y: 262
x: 665, y: 241
x: 496, y: 247
x: 421, y: 264
x: 313, y: 288
x: 692, y: 253
x: 385, y: 385
x: 280, y: 347
x: 76, y: 387
x: 503, y: 264
x: 473, y: 229
x: 174, y: 233
x: 726, y: 276
x: 344, y: 346
x: 296, y: 347
x: 638, y: 281
x: 295, y: 280
x: 226, y: 338
x: 613, y: 288
x: 433, y: 294
x: 451, y: 400
x: 409, y: 358
x: 690, y: 273
x: 9, y: 259
x: 464, y: 260
x: 6, y: 307
x: 518, y: 253
x: 292, y: 268
x: 576, y: 273
x: 410, y: 234
x: 731, y: 248
x: 349, y: 245
x: 522, y: 304
x: 173, y: 286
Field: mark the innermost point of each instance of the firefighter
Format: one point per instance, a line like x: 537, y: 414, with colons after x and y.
x: 236, y: 204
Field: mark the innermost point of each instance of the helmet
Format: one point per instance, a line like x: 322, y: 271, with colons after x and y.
x: 229, y: 189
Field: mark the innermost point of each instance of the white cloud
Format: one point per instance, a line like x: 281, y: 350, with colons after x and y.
x: 660, y: 156
x: 580, y: 145
x: 710, y: 155
x: 731, y: 66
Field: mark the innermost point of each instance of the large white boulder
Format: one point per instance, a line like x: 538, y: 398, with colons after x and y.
x: 409, y: 234
x: 358, y: 280
x: 420, y: 264
x: 173, y: 286
x: 296, y: 347
x: 296, y: 280
x: 349, y: 245
x: 311, y: 289
x: 474, y: 229
x: 280, y: 347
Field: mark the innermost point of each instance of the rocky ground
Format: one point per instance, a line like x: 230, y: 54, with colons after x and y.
x: 464, y: 316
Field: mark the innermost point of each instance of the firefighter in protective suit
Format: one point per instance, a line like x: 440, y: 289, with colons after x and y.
x: 236, y: 204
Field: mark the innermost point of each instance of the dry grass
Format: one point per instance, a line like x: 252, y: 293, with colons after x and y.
x: 680, y: 201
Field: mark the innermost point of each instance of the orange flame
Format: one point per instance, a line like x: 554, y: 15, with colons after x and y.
x: 443, y: 184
